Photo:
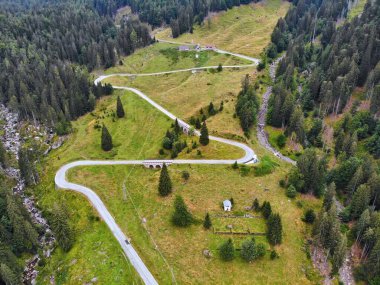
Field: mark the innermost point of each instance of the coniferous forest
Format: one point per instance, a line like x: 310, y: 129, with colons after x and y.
x: 326, y: 60
x: 47, y: 50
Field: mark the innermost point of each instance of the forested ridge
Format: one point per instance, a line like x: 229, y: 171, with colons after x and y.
x: 180, y: 15
x: 327, y: 60
x: 47, y: 51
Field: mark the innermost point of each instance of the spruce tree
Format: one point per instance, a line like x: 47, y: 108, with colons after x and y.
x: 165, y: 183
x: 198, y: 124
x: 266, y: 209
x: 119, y: 108
x: 61, y: 228
x: 274, y: 233
x: 181, y: 216
x: 2, y: 155
x: 256, y: 205
x: 177, y: 128
x: 329, y: 196
x: 204, y: 139
x: 207, y: 222
x: 339, y: 254
x: 227, y: 251
x: 8, y: 276
x: 248, y: 250
x: 106, y: 140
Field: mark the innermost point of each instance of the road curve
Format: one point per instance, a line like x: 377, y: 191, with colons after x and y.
x: 62, y: 183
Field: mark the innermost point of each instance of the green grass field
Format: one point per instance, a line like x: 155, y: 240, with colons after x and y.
x: 245, y: 29
x: 182, y: 249
x: 165, y: 57
x: 130, y: 193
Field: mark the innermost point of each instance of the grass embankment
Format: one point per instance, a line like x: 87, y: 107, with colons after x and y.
x: 184, y: 94
x: 131, y: 195
x: 165, y: 57
x: 245, y: 29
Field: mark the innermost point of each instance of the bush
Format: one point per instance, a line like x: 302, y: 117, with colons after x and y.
x: 167, y: 143
x: 281, y: 140
x: 274, y: 255
x: 185, y: 175
x: 161, y: 151
x: 309, y: 216
x: 235, y: 165
x: 244, y: 170
x: 291, y: 192
x: 266, y: 166
x: 282, y: 183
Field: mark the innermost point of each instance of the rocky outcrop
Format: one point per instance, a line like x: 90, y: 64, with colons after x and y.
x: 12, y: 142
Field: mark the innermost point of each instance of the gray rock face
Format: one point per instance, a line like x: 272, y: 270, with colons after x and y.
x: 12, y: 142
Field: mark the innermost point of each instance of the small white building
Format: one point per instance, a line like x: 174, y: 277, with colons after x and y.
x: 227, y: 205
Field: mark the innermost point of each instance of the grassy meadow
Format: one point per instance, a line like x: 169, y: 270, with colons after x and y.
x: 165, y: 57
x: 130, y: 193
x: 245, y: 29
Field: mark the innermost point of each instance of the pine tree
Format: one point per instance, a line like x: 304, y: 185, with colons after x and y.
x: 181, y: 216
x: 61, y: 228
x: 248, y: 250
x: 274, y: 233
x: 8, y: 276
x: 119, y: 108
x: 106, y: 140
x: 339, y: 254
x: 266, y: 209
x: 165, y: 183
x: 227, y: 251
x: 360, y: 201
x: 204, y: 139
x: 2, y: 155
x: 198, y: 124
x: 329, y: 196
x: 256, y: 205
x: 177, y: 128
x: 207, y: 222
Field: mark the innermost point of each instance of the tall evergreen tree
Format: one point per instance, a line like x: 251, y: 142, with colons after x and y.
x: 165, y: 183
x: 106, y: 139
x: 329, y: 196
x: 3, y: 154
x: 204, y: 139
x: 61, y: 228
x: 274, y: 231
x: 227, y: 250
x: 207, y: 222
x: 181, y: 216
x: 119, y: 108
x: 266, y: 209
x: 339, y: 254
x: 8, y: 276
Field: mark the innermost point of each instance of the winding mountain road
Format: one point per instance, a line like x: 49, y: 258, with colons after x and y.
x: 249, y: 157
x: 62, y: 183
